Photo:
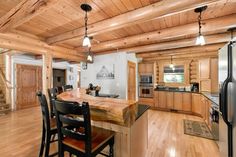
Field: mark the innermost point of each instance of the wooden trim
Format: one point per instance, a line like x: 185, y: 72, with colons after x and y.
x: 156, y: 10
x: 210, y: 39
x: 186, y: 72
x: 131, y: 64
x: 23, y: 12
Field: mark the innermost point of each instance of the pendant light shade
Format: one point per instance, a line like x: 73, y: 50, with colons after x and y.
x: 86, y: 41
x: 200, y: 38
x: 90, y: 56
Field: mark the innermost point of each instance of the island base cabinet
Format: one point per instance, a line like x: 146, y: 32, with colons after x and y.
x: 129, y: 141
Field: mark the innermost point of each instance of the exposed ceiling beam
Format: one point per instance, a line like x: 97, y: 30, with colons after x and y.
x: 188, y: 56
x: 24, y: 43
x: 210, y: 26
x: 23, y: 12
x: 194, y: 49
x: 158, y: 9
x: 210, y: 39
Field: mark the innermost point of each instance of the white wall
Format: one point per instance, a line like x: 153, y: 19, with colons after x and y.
x: 71, y: 71
x: 109, y: 86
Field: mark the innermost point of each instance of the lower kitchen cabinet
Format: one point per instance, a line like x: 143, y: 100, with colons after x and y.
x: 162, y: 99
x: 196, y: 104
x: 178, y: 101
x: 146, y: 101
x: 187, y: 102
x: 169, y: 100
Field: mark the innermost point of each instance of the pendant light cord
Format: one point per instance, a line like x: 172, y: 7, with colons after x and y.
x: 86, y: 20
x: 200, y: 23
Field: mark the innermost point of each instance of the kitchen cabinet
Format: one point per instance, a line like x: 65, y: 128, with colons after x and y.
x: 169, y: 100
x: 203, y: 107
x: 146, y: 68
x: 204, y: 68
x: 146, y: 101
x: 156, y: 100
x: 196, y: 104
x: 187, y: 102
x: 178, y: 101
x: 162, y: 99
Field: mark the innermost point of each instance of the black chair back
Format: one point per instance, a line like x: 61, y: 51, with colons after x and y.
x: 52, y: 93
x: 69, y: 125
x: 59, y: 89
x: 67, y: 87
x: 45, y: 110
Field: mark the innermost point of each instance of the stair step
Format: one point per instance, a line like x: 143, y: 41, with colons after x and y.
x: 4, y: 111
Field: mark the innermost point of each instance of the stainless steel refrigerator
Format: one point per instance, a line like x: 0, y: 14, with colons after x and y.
x: 227, y: 82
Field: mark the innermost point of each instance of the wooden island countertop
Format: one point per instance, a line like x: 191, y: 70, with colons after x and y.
x: 117, y: 111
x: 125, y: 117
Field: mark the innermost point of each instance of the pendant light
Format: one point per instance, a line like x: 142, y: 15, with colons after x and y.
x: 86, y: 40
x: 171, y: 64
x: 90, y: 56
x: 200, y: 38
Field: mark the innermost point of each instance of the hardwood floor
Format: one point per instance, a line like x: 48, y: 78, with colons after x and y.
x: 20, y: 134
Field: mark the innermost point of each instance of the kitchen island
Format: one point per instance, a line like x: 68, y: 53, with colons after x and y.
x: 125, y: 117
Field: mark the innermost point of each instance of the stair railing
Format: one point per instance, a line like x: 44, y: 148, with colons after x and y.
x: 5, y: 81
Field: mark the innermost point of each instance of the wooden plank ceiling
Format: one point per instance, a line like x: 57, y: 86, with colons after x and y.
x: 65, y: 16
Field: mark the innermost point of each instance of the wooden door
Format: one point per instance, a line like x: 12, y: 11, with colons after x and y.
x: 187, y: 102
x: 169, y: 100
x: 29, y: 81
x: 178, y: 101
x: 131, y: 81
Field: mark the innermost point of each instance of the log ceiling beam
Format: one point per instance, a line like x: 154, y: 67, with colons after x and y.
x: 23, y: 12
x: 183, y: 56
x: 194, y: 49
x: 210, y: 39
x: 28, y: 44
x: 210, y: 26
x: 156, y: 10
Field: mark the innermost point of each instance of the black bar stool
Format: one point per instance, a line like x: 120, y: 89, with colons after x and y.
x: 75, y: 134
x: 49, y: 128
x: 52, y: 93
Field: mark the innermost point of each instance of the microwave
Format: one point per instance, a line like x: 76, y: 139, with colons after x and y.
x: 146, y: 79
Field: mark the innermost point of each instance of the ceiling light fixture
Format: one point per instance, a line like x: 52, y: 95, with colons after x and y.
x: 86, y: 40
x: 90, y: 56
x: 171, y: 64
x: 200, y: 38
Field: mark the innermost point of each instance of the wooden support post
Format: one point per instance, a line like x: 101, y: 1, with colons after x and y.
x: 47, y: 72
x: 9, y: 91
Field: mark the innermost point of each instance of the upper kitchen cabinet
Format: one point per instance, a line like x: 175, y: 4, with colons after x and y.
x: 146, y: 68
x: 204, y: 69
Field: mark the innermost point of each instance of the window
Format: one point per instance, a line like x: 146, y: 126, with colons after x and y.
x: 174, y: 75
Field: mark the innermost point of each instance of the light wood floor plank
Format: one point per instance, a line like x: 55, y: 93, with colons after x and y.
x: 20, y: 135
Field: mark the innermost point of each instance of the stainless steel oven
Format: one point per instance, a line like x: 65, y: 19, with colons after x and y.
x: 146, y: 91
x: 146, y: 80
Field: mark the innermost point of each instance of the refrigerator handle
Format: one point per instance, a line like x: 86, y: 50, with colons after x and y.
x: 224, y: 89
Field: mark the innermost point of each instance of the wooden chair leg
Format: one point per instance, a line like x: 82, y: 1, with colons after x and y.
x: 48, y: 137
x: 42, y: 142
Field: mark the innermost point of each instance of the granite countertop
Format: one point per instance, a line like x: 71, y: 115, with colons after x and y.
x: 141, y: 109
x: 170, y: 90
x: 214, y: 97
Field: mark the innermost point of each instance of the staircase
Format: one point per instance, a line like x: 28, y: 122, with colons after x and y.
x: 4, y: 108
